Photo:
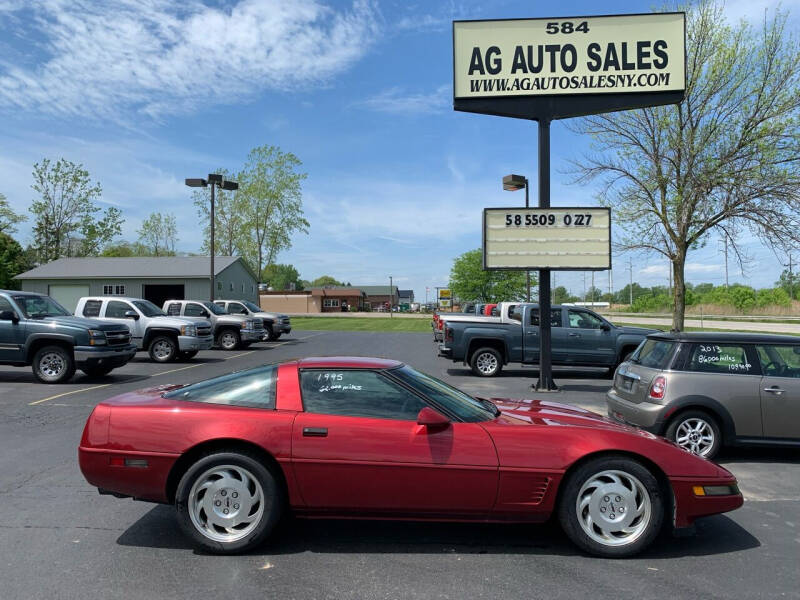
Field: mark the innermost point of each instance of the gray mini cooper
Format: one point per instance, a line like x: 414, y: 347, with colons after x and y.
x: 707, y: 390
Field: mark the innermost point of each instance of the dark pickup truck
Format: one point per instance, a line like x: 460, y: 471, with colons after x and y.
x: 580, y: 337
x: 36, y: 330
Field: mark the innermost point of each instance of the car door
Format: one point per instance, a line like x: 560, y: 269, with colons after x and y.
x: 115, y: 311
x: 589, y: 339
x: 194, y: 311
x: 357, y: 447
x: 531, y: 334
x: 780, y: 389
x: 236, y: 308
x: 12, y: 333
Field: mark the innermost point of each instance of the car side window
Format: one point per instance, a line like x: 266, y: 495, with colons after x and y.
x: 719, y: 358
x: 357, y: 394
x: 194, y: 310
x: 5, y: 305
x: 254, y: 388
x: 555, y: 317
x: 174, y: 309
x: 583, y: 320
x: 92, y: 308
x: 779, y: 361
x: 236, y: 309
x: 117, y: 309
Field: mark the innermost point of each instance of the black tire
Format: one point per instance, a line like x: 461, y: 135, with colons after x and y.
x: 163, y: 348
x: 229, y: 339
x: 53, y: 364
x: 646, y: 528
x: 688, y: 420
x: 271, y: 335
x: 266, y: 515
x: 245, y: 345
x: 97, y: 371
x: 188, y: 355
x: 486, y: 362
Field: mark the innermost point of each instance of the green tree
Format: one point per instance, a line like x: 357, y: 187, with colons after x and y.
x: 470, y: 282
x: 159, y: 234
x: 790, y: 282
x: 231, y: 233
x: 8, y: 218
x: 323, y: 281
x: 270, y: 185
x: 13, y: 261
x: 727, y: 157
x: 124, y: 248
x: 67, y: 222
x: 561, y: 295
x: 281, y: 277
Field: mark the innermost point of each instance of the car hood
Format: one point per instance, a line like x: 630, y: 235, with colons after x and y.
x: 79, y: 322
x: 177, y: 322
x: 269, y: 315
x: 540, y: 412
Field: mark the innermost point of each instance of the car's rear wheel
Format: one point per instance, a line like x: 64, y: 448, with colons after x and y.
x: 228, y: 339
x: 229, y: 502
x: 163, y: 349
x: 53, y: 364
x: 486, y: 362
x: 697, y: 432
x: 611, y: 507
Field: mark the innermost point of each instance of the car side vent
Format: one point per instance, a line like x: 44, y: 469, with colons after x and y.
x: 540, y: 486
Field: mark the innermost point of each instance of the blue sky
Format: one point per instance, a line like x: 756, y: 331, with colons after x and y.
x: 147, y: 92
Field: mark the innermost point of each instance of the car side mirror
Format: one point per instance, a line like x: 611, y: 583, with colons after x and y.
x: 205, y: 314
x: 132, y: 314
x: 605, y: 327
x: 9, y: 315
x: 432, y: 419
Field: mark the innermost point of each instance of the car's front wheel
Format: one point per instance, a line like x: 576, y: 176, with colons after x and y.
x: 697, y: 432
x: 271, y: 335
x: 163, y: 349
x: 486, y: 362
x: 611, y: 507
x: 53, y: 364
x: 229, y: 502
x: 228, y: 339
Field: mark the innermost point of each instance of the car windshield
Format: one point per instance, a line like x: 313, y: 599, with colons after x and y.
x: 251, y: 306
x: 39, y: 307
x: 455, y: 401
x: 148, y: 308
x: 215, y: 309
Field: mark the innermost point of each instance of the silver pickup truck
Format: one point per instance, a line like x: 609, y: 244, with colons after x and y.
x: 231, y: 332
x: 275, y: 324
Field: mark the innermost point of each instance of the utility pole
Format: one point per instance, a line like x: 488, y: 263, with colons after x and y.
x: 791, y: 278
x: 584, y: 286
x: 630, y: 287
x: 391, y: 299
x: 592, y: 288
x: 726, y: 262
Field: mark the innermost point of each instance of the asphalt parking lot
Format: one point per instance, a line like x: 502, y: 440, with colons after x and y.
x: 60, y: 539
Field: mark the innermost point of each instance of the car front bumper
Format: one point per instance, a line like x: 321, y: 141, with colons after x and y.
x: 644, y: 415
x: 251, y: 335
x: 103, y: 356
x: 188, y: 343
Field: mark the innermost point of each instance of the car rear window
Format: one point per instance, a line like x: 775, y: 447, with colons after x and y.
x: 653, y: 353
x: 92, y: 308
x: 253, y: 388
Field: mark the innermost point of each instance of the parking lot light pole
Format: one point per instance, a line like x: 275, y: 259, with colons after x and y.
x: 215, y: 180
x: 512, y: 183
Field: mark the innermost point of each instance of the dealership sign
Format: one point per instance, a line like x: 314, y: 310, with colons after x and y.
x: 577, y: 238
x: 602, y: 57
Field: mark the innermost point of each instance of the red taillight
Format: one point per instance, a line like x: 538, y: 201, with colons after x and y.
x: 658, y: 388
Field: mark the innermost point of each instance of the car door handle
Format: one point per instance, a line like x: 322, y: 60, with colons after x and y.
x: 315, y: 431
x: 574, y: 335
x: 774, y: 390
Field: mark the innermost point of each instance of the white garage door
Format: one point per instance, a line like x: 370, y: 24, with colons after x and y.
x: 68, y: 295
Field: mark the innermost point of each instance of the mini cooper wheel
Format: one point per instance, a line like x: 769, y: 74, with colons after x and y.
x: 53, y: 364
x: 163, y: 349
x: 228, y: 502
x: 229, y: 340
x: 486, y: 362
x: 611, y: 507
x: 697, y: 432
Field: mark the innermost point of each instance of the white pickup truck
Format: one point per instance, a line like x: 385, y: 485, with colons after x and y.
x: 165, y: 338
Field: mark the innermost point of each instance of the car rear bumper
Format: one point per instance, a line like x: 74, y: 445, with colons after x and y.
x: 141, y: 475
x: 445, y: 352
x: 103, y: 356
x: 645, y: 415
x: 188, y: 343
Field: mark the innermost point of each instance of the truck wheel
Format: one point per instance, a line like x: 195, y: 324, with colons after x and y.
x: 97, y: 371
x: 228, y: 339
x: 486, y: 362
x: 271, y: 336
x: 163, y: 349
x: 53, y: 364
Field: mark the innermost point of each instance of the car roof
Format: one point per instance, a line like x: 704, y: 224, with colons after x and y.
x: 726, y: 336
x: 20, y: 293
x: 347, y: 362
x: 125, y: 298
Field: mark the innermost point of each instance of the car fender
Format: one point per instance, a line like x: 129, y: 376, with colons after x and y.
x: 704, y: 402
x: 154, y: 331
x: 49, y: 337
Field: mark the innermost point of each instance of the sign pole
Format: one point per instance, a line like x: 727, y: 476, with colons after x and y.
x: 545, y: 383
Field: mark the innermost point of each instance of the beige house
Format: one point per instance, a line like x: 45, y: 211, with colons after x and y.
x: 316, y: 300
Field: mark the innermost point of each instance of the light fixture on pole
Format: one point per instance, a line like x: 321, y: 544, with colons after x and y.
x: 214, y: 180
x: 512, y: 183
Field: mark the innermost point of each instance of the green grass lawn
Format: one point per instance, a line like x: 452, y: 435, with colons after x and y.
x: 361, y: 324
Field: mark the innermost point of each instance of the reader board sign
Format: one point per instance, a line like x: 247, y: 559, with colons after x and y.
x: 562, y: 238
x: 613, y: 54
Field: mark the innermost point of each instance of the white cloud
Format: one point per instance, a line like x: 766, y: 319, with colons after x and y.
x: 702, y: 268
x: 396, y: 101
x: 654, y: 270
x: 159, y: 57
x: 753, y: 10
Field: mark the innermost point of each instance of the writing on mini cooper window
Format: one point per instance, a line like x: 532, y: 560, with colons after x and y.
x: 357, y: 393
x: 720, y: 358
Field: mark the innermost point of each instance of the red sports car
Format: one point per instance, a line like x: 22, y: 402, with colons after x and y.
x: 374, y: 438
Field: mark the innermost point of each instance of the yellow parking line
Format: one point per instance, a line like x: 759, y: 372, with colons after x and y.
x: 238, y: 355
x: 96, y: 387
x: 176, y: 370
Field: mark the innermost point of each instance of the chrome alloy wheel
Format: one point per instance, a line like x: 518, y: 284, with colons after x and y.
x: 227, y: 340
x: 162, y: 350
x: 614, y: 508
x: 52, y: 365
x: 486, y: 363
x: 695, y: 435
x: 226, y: 503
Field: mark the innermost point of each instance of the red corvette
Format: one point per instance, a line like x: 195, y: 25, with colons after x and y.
x: 373, y: 438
